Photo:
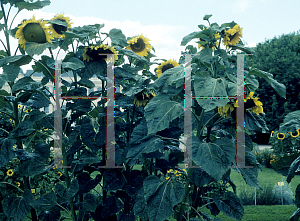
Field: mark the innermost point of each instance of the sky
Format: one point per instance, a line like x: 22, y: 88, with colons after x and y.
x: 166, y: 22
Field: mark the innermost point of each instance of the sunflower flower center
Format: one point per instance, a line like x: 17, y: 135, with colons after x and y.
x: 33, y: 32
x: 138, y: 46
x: 166, y: 67
x: 98, y: 54
x: 60, y: 28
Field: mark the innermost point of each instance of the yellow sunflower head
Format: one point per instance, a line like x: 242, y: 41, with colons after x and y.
x: 253, y: 103
x: 165, y: 66
x: 139, y: 45
x: 33, y: 31
x: 10, y: 172
x: 143, y: 97
x: 18, y: 184
x: 56, y: 29
x: 227, y: 109
x: 232, y: 36
x: 216, y: 36
x: 97, y: 53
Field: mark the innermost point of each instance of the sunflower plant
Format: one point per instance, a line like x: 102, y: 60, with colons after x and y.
x: 148, y: 183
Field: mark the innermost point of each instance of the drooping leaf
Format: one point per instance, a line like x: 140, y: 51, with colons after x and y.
x: 145, y: 146
x: 6, y: 151
x: 206, y: 86
x: 32, y: 5
x: 45, y: 202
x: 231, y: 205
x: 25, y: 83
x: 278, y: 87
x: 86, y: 83
x: 117, y: 37
x: 171, y: 81
x: 188, y: 38
x: 291, y: 172
x: 214, y: 158
x: 16, y: 208
x: 161, y: 197
x: 17, y: 60
x: 33, y: 48
x: 160, y: 111
x: 73, y: 64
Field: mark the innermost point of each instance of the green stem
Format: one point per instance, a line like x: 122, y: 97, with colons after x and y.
x: 13, y: 19
x: 186, y: 194
x: 51, y: 53
x: 3, y: 46
x: 6, y: 31
x: 199, y: 128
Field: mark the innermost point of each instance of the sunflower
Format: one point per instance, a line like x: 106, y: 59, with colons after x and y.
x: 95, y: 53
x: 217, y: 35
x: 139, y: 45
x: 165, y: 66
x: 225, y: 111
x: 142, y: 98
x: 56, y: 30
x: 253, y: 103
x: 59, y: 173
x: 10, y: 172
x: 232, y: 36
x: 28, y: 110
x: 33, y: 31
x: 18, y: 184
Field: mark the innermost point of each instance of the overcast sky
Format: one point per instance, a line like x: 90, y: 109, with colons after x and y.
x: 166, y: 22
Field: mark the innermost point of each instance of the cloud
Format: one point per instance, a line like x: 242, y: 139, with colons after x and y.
x: 161, y: 36
x: 240, y: 6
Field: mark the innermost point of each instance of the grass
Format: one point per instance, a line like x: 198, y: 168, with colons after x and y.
x: 267, y: 177
x: 262, y: 213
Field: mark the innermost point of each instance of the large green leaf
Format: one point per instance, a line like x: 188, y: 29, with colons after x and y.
x: 291, y: 122
x: 117, y: 37
x: 10, y: 72
x: 161, y: 197
x: 206, y: 86
x: 243, y: 48
x: 32, y: 5
x: 42, y: 66
x: 86, y: 83
x: 214, y: 158
x: 251, y: 83
x: 17, y: 207
x: 45, y: 202
x: 139, y: 207
x: 25, y: 83
x: 189, y: 37
x: 33, y: 48
x: 138, y: 151
x: 160, y: 111
x: 278, y: 87
x: 17, y: 60
x: 171, y: 81
x: 232, y: 205
x: 250, y: 174
x: 73, y: 64
x: 295, y: 167
x: 6, y: 150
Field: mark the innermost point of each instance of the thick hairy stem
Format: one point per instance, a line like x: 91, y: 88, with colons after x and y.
x: 186, y: 194
x: 32, y: 210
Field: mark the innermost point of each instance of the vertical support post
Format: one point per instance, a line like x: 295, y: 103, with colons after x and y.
x: 188, y: 111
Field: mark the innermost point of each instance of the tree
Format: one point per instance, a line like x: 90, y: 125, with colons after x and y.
x: 280, y: 57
